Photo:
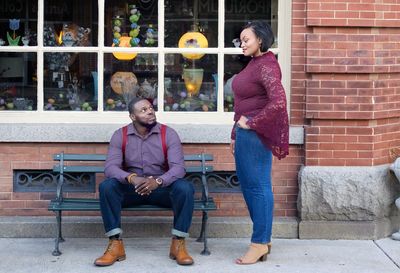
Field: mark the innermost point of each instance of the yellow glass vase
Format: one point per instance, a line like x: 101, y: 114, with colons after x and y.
x: 193, y: 78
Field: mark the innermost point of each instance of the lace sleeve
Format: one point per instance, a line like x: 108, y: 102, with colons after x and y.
x: 272, y: 121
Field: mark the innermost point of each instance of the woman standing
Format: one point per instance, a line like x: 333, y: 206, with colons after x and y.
x: 261, y: 130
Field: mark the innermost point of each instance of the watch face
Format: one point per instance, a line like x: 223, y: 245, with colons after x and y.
x: 159, y: 181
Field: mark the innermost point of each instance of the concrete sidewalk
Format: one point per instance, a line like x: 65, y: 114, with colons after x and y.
x: 151, y: 255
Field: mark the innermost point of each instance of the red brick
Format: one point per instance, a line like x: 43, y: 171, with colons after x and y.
x: 358, y: 162
x: 330, y: 162
x: 25, y: 195
x: 37, y: 204
x: 312, y: 162
x: 332, y: 146
x: 332, y: 130
x: 284, y: 190
x: 347, y: 14
x: 333, y: 84
x: 320, y: 14
x: 5, y: 195
x: 345, y: 154
x: 359, y: 131
x: 319, y: 154
x: 11, y: 204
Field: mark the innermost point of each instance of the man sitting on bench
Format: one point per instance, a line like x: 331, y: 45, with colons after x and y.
x: 145, y: 165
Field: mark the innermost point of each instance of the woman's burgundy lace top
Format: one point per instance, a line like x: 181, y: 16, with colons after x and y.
x: 259, y: 95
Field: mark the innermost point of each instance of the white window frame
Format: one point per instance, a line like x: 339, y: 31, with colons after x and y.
x: 113, y: 117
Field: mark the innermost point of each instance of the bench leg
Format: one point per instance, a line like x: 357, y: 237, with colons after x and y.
x: 200, y: 239
x: 203, y: 234
x: 59, y: 238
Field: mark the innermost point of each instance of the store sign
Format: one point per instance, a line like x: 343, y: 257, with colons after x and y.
x: 236, y: 7
x: 60, y: 10
x: 17, y: 8
x: 11, y: 6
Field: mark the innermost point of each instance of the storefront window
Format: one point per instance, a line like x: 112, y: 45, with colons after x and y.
x: 18, y: 82
x: 190, y: 85
x: 70, y: 81
x: 233, y: 64
x: 93, y: 56
x: 70, y: 23
x: 135, y: 22
x: 191, y: 16
x: 125, y: 80
x: 238, y: 13
x: 18, y: 23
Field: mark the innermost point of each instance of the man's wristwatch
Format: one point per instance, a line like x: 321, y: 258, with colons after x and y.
x: 159, y: 181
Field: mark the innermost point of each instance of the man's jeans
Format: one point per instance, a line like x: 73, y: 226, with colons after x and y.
x: 253, y: 168
x: 114, y: 196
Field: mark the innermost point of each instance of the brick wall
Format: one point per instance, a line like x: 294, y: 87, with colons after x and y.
x: 350, y: 55
x: 14, y: 156
x: 354, y: 13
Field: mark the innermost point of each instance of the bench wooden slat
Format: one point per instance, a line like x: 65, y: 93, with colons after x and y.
x: 100, y: 169
x: 197, y: 157
x: 79, y: 169
x: 84, y: 204
x: 198, y: 169
x: 81, y: 157
x: 102, y: 157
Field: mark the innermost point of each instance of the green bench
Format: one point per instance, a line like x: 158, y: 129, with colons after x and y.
x: 198, y: 166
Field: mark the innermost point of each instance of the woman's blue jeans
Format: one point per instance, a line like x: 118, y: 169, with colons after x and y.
x: 114, y: 196
x: 253, y: 168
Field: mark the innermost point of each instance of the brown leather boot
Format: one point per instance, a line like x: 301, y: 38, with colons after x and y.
x: 179, y: 253
x: 115, y: 252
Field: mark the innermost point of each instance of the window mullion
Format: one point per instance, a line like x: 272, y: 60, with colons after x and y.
x: 40, y: 57
x: 221, y: 45
x: 221, y: 24
x: 100, y: 57
x: 161, y: 57
x: 284, y: 45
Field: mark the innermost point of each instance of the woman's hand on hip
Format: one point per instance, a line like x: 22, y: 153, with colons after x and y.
x: 241, y: 123
x: 232, y: 146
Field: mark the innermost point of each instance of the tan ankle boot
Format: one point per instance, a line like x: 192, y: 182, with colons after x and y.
x: 256, y: 252
x: 179, y: 253
x: 115, y: 252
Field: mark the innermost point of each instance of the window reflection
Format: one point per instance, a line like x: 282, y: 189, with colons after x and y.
x: 238, y: 13
x: 190, y: 84
x: 18, y: 81
x: 70, y: 81
x: 18, y: 24
x: 191, y: 16
x: 136, y: 23
x: 233, y: 64
x: 70, y: 23
x: 124, y: 80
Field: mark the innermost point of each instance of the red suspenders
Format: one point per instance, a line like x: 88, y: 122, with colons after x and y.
x: 163, y: 143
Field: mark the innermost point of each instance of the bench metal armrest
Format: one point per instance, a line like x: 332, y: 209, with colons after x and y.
x: 60, y: 182
x: 204, y: 194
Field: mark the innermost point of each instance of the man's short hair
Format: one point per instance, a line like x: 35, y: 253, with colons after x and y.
x: 131, y: 105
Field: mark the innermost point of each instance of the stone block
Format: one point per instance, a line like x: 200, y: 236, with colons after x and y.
x: 346, y: 193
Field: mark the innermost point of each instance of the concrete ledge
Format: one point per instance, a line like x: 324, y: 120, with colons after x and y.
x: 101, y: 133
x: 352, y: 230
x: 81, y: 227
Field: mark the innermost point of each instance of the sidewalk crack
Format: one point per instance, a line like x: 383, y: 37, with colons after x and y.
x: 387, y: 255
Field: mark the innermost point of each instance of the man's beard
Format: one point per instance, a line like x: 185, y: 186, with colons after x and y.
x: 147, y: 125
